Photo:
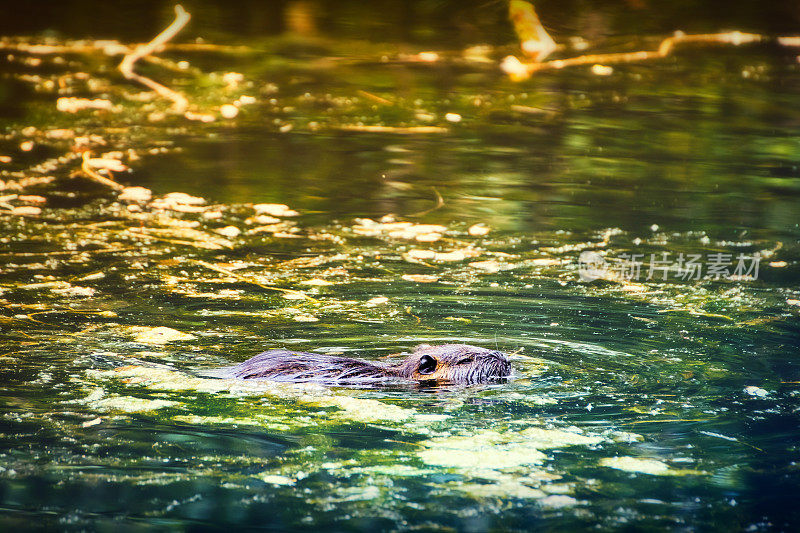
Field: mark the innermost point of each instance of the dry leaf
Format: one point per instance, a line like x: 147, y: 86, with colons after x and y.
x: 534, y: 40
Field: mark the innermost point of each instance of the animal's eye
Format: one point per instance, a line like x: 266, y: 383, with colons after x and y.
x: 465, y: 360
x: 427, y: 365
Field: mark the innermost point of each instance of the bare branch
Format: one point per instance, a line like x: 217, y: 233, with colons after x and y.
x: 87, y: 169
x: 519, y: 70
x: 179, y: 101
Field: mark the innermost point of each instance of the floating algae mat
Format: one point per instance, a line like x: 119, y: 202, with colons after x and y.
x: 627, y: 232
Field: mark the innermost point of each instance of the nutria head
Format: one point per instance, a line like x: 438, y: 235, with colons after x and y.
x: 455, y: 363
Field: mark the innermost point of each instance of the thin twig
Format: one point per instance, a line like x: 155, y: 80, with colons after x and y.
x: 114, y: 48
x: 141, y: 233
x: 90, y: 172
x: 375, y: 97
x: 65, y: 252
x: 408, y: 312
x: 405, y: 130
x: 789, y: 40
x: 439, y: 204
x: 246, y: 280
x: 518, y: 69
x: 179, y: 101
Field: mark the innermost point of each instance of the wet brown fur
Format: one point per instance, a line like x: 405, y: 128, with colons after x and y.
x: 451, y: 363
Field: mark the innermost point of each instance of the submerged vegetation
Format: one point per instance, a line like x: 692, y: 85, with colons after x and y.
x: 179, y: 205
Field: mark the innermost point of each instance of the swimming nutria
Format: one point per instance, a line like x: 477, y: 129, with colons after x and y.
x: 453, y: 363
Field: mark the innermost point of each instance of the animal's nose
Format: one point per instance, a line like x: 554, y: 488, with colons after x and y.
x: 504, y: 363
x: 500, y: 356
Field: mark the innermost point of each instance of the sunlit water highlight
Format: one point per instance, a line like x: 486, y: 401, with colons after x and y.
x: 669, y: 405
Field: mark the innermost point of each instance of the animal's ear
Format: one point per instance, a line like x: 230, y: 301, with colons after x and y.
x: 427, y: 365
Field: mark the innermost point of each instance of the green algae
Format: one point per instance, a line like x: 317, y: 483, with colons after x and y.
x: 643, y: 465
x: 305, y: 396
x: 129, y: 404
x: 494, y: 450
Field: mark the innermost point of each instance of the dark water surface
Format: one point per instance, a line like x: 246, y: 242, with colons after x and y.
x: 637, y: 404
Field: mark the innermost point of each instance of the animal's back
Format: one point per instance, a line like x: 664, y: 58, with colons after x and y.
x: 286, y: 365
